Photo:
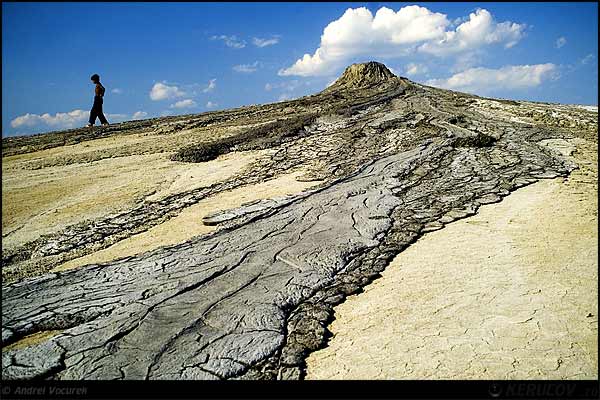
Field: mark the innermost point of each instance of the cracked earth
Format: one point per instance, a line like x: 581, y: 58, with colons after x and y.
x: 504, y: 294
x: 100, y: 280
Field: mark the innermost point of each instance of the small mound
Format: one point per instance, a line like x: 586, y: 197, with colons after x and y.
x: 365, y: 74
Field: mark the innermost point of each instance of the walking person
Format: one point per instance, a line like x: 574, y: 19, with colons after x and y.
x: 98, y: 100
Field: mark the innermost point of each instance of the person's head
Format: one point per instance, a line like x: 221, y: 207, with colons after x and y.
x: 95, y: 78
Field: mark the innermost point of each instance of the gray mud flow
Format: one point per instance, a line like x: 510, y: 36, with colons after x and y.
x: 251, y: 300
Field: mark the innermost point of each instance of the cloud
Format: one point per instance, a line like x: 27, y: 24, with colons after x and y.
x: 580, y: 63
x: 585, y: 60
x: 466, y: 60
x: 246, y: 68
x: 187, y: 103
x: 212, y: 84
x: 231, y: 41
x: 389, y: 34
x: 195, y: 89
x: 59, y: 120
x: 560, y: 42
x: 258, y: 42
x: 458, y: 21
x: 210, y: 104
x: 117, y: 91
x: 161, y: 91
x: 139, y: 115
x: 413, y: 69
x: 486, y: 80
x: 116, y: 117
x: 478, y: 31
x: 67, y: 120
x: 284, y: 97
x: 287, y: 86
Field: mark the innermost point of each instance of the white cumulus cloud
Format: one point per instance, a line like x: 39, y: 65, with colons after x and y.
x: 117, y: 91
x: 478, y: 31
x: 59, y: 120
x: 231, y: 41
x: 187, y: 103
x: 413, y: 69
x: 486, y: 80
x: 258, y: 42
x: 162, y: 91
x: 212, y: 84
x: 391, y: 34
x: 246, y: 68
x: 210, y: 104
x: 139, y: 115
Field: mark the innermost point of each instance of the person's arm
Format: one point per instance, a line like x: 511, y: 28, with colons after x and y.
x: 98, y: 90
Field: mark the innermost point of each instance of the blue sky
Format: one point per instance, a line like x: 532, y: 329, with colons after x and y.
x: 180, y: 58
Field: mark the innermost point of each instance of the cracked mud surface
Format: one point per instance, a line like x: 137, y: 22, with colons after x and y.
x: 391, y: 160
x: 510, y: 293
x: 189, y: 222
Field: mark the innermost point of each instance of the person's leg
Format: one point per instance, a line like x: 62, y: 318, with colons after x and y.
x: 93, y: 115
x: 102, y: 117
x: 101, y: 114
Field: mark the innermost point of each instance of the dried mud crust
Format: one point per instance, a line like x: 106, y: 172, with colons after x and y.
x: 317, y: 148
x: 509, y: 293
x: 251, y: 300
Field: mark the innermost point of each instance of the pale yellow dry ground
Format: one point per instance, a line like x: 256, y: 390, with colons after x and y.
x: 102, y: 144
x: 189, y: 222
x: 510, y: 293
x: 46, y: 200
x: 40, y: 201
